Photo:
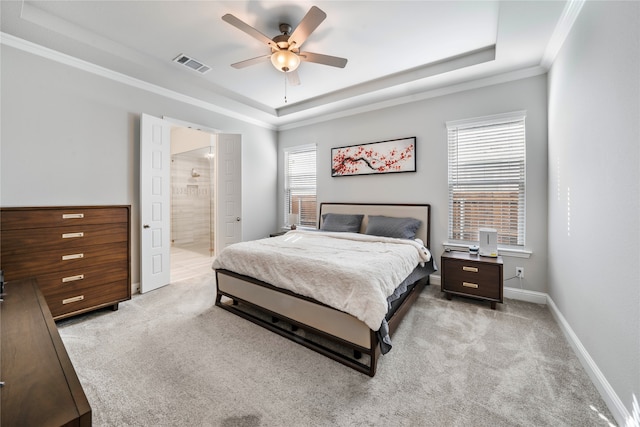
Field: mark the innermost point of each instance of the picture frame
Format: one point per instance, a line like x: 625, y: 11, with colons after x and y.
x: 390, y: 156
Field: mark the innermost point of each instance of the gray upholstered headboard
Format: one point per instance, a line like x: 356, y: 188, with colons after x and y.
x: 421, y: 212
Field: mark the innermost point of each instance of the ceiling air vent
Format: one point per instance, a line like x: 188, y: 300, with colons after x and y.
x: 191, y: 63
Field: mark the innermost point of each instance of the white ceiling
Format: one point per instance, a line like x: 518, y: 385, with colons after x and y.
x: 395, y: 49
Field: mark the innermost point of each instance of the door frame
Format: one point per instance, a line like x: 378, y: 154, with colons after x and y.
x: 171, y: 123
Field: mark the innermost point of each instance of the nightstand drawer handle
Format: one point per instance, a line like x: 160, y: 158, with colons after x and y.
x: 72, y: 256
x: 72, y: 216
x: 470, y: 285
x: 72, y: 235
x: 74, y: 299
x: 72, y: 278
x: 471, y: 269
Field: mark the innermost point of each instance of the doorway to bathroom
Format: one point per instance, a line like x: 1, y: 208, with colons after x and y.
x: 192, y: 203
x: 213, y: 187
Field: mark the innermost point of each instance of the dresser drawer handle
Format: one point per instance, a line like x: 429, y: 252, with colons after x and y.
x: 74, y: 299
x: 72, y: 256
x: 72, y: 235
x: 72, y: 278
x: 72, y: 216
x: 471, y: 269
x: 470, y: 285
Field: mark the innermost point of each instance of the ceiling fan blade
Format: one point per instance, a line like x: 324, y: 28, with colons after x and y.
x: 309, y: 23
x: 243, y: 26
x: 318, y: 58
x: 252, y: 61
x: 293, y: 78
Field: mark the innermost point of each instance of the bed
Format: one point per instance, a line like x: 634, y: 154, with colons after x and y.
x: 348, y: 330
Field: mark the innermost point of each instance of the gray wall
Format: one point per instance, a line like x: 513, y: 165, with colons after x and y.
x: 426, y: 120
x: 594, y: 183
x: 70, y: 137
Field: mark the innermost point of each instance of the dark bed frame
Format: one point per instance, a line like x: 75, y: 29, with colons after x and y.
x: 270, y: 307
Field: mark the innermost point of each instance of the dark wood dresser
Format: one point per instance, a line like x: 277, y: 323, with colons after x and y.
x: 472, y: 276
x: 80, y: 255
x: 40, y: 387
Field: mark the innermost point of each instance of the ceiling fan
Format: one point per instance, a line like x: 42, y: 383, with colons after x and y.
x: 285, y: 48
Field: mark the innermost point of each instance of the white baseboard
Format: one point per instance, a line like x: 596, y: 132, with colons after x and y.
x: 513, y: 293
x: 613, y: 402
x: 434, y: 279
x: 135, y: 288
x: 525, y: 295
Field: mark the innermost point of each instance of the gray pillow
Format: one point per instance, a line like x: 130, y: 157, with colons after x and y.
x: 386, y: 226
x: 341, y: 222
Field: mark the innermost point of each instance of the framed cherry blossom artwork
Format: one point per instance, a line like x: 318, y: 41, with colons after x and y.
x: 395, y: 155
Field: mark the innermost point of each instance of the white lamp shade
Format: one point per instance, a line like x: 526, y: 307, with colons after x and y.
x: 293, y: 219
x: 285, y: 60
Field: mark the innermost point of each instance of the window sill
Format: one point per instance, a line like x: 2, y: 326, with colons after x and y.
x: 300, y: 227
x: 510, y: 252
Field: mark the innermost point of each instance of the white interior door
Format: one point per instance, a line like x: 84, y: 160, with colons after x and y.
x: 228, y: 216
x: 155, y: 203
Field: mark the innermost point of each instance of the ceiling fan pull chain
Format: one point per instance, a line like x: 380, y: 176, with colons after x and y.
x: 285, y: 87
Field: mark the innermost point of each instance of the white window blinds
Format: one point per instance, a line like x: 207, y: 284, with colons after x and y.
x: 300, y: 185
x: 487, y: 178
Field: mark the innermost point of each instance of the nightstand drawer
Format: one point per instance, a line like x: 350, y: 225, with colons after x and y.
x: 473, y: 278
x: 489, y: 290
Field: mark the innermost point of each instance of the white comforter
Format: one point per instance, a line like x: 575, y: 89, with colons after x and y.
x: 352, y: 272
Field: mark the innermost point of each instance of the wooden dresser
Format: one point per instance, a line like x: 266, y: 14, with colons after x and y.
x: 80, y: 255
x: 472, y: 276
x: 41, y: 387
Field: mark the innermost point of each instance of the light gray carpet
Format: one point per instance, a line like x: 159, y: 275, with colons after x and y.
x: 171, y: 358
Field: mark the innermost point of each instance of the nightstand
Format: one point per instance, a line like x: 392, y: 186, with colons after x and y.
x: 472, y: 276
x: 279, y: 233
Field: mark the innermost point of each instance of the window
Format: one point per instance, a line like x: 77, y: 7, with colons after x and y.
x: 300, y: 184
x: 487, y: 177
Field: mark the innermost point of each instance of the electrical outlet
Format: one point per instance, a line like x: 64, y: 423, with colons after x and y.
x: 520, y: 272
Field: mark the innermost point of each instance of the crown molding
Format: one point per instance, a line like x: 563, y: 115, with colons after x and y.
x: 427, y: 94
x: 457, y: 62
x: 62, y: 58
x: 563, y: 27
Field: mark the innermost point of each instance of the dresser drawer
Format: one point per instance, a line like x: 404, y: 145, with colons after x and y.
x: 82, y: 278
x: 24, y: 218
x: 63, y: 260
x: 63, y: 238
x: 70, y: 301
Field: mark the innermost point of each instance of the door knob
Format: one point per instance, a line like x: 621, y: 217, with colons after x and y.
x: 145, y: 226
x: 237, y: 218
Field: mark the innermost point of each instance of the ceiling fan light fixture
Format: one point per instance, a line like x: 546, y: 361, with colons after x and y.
x: 285, y: 60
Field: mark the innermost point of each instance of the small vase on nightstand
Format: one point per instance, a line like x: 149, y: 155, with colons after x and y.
x: 293, y: 219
